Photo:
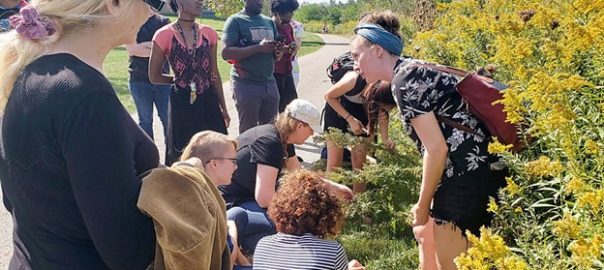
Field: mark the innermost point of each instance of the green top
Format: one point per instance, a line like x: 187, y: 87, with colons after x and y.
x: 242, y: 30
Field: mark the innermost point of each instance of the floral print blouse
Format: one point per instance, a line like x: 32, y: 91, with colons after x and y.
x: 420, y: 89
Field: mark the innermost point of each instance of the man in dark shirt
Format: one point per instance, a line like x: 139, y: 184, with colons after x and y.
x: 144, y: 93
x: 9, y: 8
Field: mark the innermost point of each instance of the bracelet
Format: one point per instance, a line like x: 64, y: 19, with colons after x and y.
x: 346, y: 118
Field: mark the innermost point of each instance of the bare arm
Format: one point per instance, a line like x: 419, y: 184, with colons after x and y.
x: 435, y: 157
x: 266, y: 181
x: 293, y: 163
x: 231, y: 52
x: 335, y: 92
x: 217, y: 81
x: 142, y: 49
x: 156, y: 63
x: 383, y: 122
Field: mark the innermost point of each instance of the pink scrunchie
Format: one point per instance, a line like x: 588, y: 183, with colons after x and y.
x: 30, y: 25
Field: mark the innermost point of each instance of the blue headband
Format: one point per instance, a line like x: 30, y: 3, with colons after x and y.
x: 380, y: 36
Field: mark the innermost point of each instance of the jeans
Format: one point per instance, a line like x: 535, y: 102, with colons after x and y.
x: 252, y: 225
x: 144, y: 95
x: 257, y: 104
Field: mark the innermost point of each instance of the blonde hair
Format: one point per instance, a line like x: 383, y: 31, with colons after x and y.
x: 206, y: 145
x: 68, y: 16
x: 286, y: 125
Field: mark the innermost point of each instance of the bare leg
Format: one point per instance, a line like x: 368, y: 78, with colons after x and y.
x: 449, y: 244
x: 335, y: 156
x: 358, y: 156
x: 425, y: 238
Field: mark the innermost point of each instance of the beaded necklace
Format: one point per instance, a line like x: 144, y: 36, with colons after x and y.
x: 191, y: 52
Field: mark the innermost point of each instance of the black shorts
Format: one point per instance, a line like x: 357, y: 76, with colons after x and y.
x: 332, y: 119
x: 463, y: 200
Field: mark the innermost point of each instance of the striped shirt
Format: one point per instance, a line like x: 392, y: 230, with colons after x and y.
x: 300, y: 252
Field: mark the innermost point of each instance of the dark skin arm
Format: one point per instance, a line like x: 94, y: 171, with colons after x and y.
x: 156, y: 63
x: 231, y: 52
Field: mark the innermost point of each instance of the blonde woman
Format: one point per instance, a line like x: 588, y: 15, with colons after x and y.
x: 71, y: 153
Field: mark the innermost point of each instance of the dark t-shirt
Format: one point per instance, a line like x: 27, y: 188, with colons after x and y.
x: 242, y: 30
x: 258, y: 145
x: 139, y: 66
x: 71, y: 154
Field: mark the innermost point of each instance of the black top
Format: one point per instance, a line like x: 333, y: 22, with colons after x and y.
x: 71, y: 156
x: 258, y: 145
x: 139, y: 66
x: 418, y: 90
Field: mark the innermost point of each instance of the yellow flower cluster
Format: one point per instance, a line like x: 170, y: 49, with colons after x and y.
x: 492, y: 207
x: 592, y: 200
x: 495, y: 147
x: 568, y: 227
x: 592, y: 147
x: 489, y: 252
x: 512, y: 188
x: 551, y: 55
x: 575, y: 185
x: 543, y: 166
x: 586, y: 251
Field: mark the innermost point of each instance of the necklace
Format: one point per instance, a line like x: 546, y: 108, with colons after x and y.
x: 186, y: 20
x: 193, y: 94
x: 195, y: 37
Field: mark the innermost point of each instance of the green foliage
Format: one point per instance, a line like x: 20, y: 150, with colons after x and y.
x: 376, y: 252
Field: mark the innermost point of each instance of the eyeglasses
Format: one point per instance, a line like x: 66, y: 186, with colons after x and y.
x: 156, y: 5
x: 233, y: 160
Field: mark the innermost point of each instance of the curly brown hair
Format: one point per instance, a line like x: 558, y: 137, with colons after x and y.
x: 304, y: 204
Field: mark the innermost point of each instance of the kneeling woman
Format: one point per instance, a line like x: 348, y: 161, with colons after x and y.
x: 456, y: 179
x: 262, y: 153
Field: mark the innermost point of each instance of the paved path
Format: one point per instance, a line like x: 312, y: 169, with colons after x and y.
x: 313, y: 83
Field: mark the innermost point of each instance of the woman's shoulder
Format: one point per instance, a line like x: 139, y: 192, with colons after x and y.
x: 208, y: 32
x: 166, y: 30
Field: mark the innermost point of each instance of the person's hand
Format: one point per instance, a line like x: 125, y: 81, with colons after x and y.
x: 292, y: 48
x: 355, y: 265
x: 267, y: 46
x: 356, y: 126
x: 420, y: 215
x: 226, y: 118
x: 343, y: 191
x: 389, y: 144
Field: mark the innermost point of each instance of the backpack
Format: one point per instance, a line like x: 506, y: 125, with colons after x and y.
x: 340, y: 66
x: 480, y: 93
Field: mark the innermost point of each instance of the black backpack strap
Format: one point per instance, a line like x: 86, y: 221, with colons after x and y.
x: 457, y: 125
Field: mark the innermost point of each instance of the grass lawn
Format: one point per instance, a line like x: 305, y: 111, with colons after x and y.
x: 116, y: 64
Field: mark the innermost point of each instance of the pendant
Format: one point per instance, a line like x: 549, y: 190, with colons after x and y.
x: 193, y: 96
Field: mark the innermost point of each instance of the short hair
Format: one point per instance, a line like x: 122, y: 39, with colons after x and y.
x: 206, y: 145
x: 304, y: 204
x: 284, y: 6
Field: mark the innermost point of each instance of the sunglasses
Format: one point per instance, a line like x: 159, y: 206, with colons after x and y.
x: 156, y: 5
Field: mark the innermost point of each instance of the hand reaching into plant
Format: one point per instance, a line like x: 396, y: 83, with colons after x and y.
x: 355, y: 265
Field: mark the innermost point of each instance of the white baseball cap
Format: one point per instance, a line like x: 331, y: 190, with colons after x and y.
x: 306, y: 112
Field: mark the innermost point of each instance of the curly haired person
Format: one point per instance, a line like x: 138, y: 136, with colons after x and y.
x: 305, y: 212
